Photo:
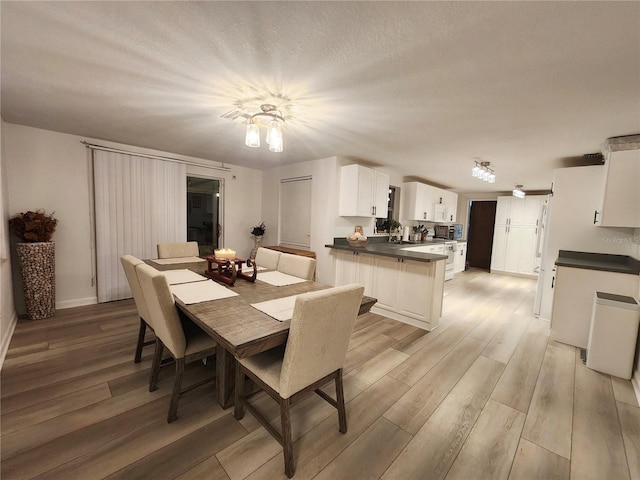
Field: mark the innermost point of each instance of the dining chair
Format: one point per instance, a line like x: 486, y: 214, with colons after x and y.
x: 178, y: 249
x: 129, y: 263
x: 265, y: 257
x: 297, y: 265
x: 184, y: 340
x: 314, y: 355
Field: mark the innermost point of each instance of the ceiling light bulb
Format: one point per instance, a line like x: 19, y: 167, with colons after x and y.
x: 275, y: 137
x: 252, y: 139
x: 475, y: 171
x: 492, y: 177
x: 485, y: 175
x: 518, y: 192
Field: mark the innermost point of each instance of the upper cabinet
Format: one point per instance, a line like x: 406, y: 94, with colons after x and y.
x: 423, y: 202
x: 621, y: 196
x: 363, y: 192
x: 451, y: 202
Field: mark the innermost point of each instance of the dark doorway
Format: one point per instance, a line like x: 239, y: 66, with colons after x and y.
x: 482, y: 218
x: 203, y: 213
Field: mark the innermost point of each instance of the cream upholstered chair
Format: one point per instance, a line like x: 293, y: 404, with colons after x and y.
x: 129, y: 263
x: 178, y: 249
x: 298, y: 266
x: 320, y: 329
x: 185, y: 341
x: 267, y: 258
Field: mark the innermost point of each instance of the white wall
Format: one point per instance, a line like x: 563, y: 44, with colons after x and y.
x: 326, y: 224
x: 50, y: 170
x: 324, y: 207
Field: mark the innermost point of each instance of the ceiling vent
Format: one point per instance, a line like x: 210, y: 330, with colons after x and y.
x: 593, y: 158
x: 237, y: 115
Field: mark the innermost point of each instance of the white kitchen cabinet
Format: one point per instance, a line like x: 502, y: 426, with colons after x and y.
x: 407, y: 291
x: 422, y: 202
x: 451, y: 201
x: 515, y: 236
x: 620, y: 205
x: 363, y: 192
x: 354, y: 267
x: 413, y: 286
x: 574, y: 289
x: 417, y: 201
x: 460, y: 258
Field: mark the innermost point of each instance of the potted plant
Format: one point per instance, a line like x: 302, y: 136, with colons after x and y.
x: 36, y: 261
x: 257, y: 231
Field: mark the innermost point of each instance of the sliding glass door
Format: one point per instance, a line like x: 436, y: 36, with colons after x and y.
x: 204, y: 223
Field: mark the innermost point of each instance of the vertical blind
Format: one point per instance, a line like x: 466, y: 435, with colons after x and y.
x: 139, y: 202
x: 295, y: 212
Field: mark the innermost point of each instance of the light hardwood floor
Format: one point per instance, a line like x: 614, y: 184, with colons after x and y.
x: 486, y: 395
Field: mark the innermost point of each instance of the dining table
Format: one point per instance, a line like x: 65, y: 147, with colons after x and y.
x: 240, y: 329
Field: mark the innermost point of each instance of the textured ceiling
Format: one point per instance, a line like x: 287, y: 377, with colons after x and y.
x: 424, y: 87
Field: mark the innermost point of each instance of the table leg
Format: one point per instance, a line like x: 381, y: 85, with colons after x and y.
x: 225, y: 377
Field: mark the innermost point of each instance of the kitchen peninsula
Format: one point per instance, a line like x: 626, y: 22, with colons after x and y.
x: 408, y: 284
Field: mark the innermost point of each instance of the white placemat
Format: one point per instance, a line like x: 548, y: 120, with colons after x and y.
x: 197, y: 292
x: 175, y: 277
x: 279, y: 279
x: 173, y: 261
x: 281, y: 308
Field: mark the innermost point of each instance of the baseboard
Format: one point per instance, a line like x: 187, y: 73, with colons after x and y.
x: 78, y: 302
x: 6, y: 340
x: 636, y: 388
x: 515, y: 274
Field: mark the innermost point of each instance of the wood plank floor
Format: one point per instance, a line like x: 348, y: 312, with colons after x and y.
x: 486, y: 395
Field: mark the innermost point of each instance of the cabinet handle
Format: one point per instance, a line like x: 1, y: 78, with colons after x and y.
x: 506, y: 229
x: 595, y: 217
x: 553, y: 281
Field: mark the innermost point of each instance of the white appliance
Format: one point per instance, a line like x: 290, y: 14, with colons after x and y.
x: 577, y: 193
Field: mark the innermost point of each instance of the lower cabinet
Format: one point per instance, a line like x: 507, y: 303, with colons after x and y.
x: 573, y: 293
x: 406, y: 290
x: 460, y: 258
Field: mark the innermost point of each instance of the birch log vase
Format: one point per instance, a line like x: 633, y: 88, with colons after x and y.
x: 36, y: 261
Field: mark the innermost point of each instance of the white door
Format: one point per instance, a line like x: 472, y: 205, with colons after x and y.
x: 295, y: 212
x: 381, y: 195
x: 502, y: 210
x: 366, y: 185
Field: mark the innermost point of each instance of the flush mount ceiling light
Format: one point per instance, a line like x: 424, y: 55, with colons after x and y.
x: 482, y: 171
x: 518, y: 192
x: 271, y: 118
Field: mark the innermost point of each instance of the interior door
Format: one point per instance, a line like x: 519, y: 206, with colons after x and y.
x: 480, y: 239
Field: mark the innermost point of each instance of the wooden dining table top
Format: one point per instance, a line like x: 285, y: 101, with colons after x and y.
x: 242, y: 329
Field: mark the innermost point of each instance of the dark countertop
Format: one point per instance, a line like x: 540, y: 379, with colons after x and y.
x: 381, y: 246
x: 599, y: 261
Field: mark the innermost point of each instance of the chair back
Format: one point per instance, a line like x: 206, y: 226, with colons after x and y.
x: 265, y: 257
x: 320, y: 329
x: 162, y: 309
x: 179, y: 249
x: 129, y: 264
x: 297, y: 265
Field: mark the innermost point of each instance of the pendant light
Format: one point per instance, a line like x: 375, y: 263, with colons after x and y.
x: 274, y: 128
